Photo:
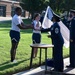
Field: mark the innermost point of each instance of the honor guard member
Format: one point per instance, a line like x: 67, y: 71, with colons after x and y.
x: 58, y: 42
x: 72, y: 40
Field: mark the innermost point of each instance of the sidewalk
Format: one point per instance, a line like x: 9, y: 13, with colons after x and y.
x: 5, y: 18
x: 8, y: 18
x: 41, y: 70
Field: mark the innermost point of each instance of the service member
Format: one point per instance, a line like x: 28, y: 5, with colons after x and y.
x: 72, y: 39
x: 58, y: 42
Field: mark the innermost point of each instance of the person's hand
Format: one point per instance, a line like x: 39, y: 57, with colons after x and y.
x: 70, y: 18
x: 48, y: 36
x: 71, y: 40
x: 37, y: 25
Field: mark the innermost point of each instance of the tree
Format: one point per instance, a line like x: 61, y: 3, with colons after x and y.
x: 55, y: 4
x: 33, y: 6
x: 62, y: 5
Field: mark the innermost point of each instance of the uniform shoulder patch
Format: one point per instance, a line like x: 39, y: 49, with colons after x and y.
x: 56, y: 30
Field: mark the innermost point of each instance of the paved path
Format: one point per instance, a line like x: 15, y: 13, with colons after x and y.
x: 5, y: 18
x: 40, y: 70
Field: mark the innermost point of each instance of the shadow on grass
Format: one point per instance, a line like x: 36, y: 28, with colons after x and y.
x: 6, y: 27
x: 22, y: 31
x: 7, y: 65
x: 26, y: 31
x: 7, y: 24
x: 4, y: 63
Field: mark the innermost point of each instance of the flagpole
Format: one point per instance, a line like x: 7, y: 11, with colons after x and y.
x: 45, y: 15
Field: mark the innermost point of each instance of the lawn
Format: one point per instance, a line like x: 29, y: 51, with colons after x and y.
x: 23, y: 51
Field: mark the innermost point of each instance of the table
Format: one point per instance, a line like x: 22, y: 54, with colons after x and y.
x: 41, y: 46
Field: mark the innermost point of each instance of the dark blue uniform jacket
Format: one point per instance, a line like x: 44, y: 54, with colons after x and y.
x: 72, y: 30
x: 56, y: 34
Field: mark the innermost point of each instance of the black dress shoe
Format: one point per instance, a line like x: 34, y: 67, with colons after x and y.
x: 57, y: 70
x: 53, y: 70
x: 69, y: 66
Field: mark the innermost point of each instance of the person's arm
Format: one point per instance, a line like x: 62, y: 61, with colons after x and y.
x: 37, y: 27
x: 18, y: 22
x: 49, y: 36
x: 45, y: 30
x: 23, y: 26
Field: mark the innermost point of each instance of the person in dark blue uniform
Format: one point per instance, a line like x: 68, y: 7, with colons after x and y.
x: 58, y: 42
x: 72, y: 40
x: 58, y: 45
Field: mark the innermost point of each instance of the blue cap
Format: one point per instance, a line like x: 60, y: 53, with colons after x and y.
x: 56, y: 17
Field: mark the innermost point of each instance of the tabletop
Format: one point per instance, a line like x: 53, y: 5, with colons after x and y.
x: 42, y: 45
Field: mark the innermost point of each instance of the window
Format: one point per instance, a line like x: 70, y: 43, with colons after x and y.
x: 2, y: 10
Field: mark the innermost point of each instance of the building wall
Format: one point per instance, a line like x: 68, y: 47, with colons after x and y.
x: 7, y: 8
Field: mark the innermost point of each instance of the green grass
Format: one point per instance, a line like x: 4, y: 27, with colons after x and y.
x: 23, y: 51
